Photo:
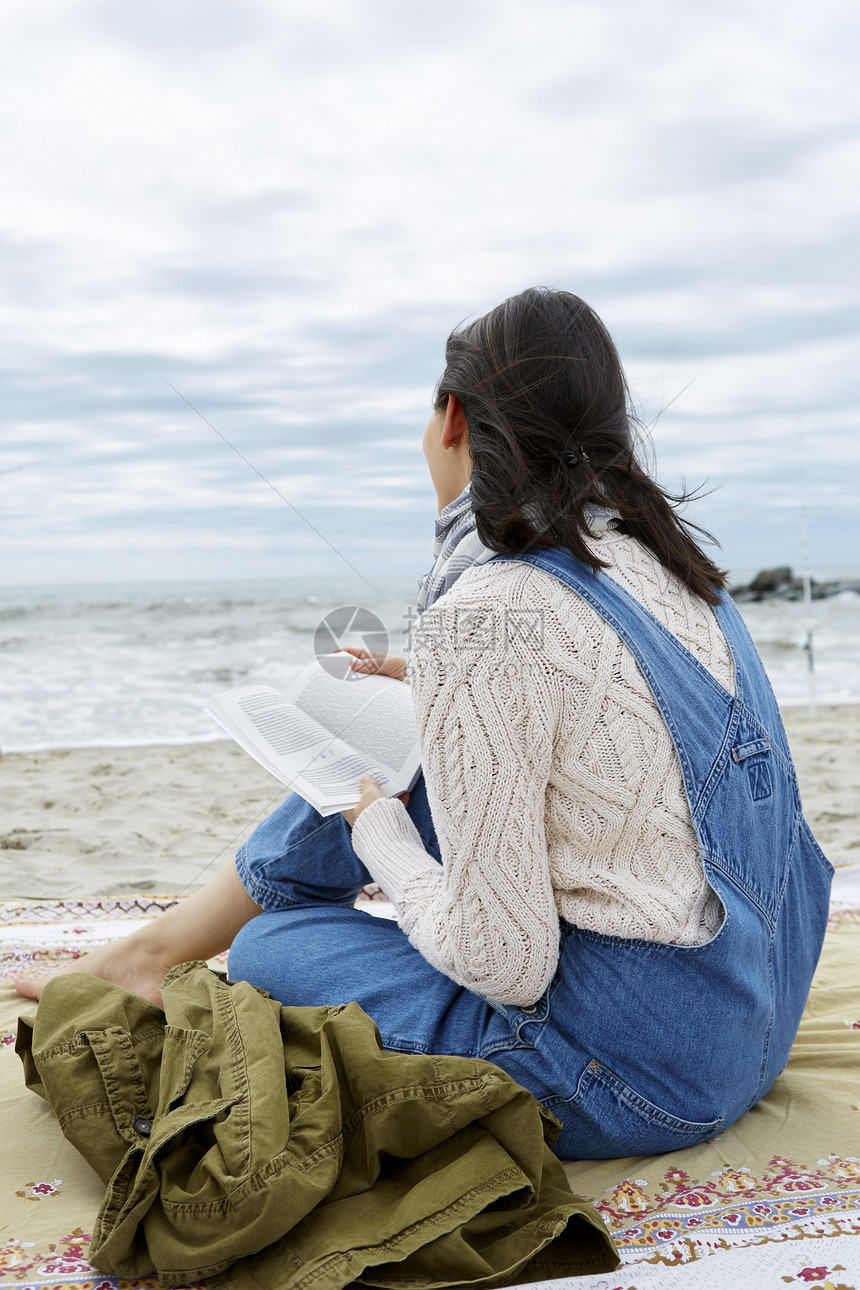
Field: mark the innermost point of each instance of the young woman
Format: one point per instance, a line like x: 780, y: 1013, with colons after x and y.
x: 603, y: 880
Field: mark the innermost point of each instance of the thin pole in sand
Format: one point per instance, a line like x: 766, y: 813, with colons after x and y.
x: 809, y: 622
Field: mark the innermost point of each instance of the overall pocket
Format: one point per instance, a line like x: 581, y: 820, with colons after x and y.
x: 606, y: 1118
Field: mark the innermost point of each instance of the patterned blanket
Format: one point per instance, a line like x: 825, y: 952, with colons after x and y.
x: 773, y: 1202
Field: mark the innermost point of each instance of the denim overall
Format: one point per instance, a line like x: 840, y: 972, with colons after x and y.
x: 704, y: 1027
x: 636, y: 1046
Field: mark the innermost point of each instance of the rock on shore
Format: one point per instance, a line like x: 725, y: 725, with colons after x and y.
x: 781, y: 584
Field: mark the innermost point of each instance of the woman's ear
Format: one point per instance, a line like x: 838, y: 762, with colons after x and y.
x: 455, y: 427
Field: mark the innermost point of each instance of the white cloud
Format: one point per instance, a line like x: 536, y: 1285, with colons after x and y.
x: 283, y: 207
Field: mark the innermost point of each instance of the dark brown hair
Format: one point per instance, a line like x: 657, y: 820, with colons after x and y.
x: 539, y: 377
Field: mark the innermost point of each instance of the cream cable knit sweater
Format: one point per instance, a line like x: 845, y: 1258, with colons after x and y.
x: 552, y: 779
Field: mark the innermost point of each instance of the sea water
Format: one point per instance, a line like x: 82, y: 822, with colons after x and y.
x: 131, y: 664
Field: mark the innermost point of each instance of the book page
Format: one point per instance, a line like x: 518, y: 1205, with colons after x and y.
x: 373, y: 714
x: 284, y: 726
x: 299, y: 750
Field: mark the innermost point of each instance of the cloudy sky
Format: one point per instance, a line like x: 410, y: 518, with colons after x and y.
x: 277, y: 209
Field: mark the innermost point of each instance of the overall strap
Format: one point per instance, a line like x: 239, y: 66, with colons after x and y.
x: 753, y: 687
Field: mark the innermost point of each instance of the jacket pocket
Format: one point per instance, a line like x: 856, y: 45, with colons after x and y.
x: 606, y: 1117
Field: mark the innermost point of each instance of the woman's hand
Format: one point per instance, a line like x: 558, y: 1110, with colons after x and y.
x: 370, y: 792
x: 377, y: 664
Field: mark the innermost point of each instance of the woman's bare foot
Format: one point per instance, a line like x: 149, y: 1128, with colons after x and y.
x: 198, y: 927
x: 129, y: 965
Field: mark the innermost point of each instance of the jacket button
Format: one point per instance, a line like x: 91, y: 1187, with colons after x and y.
x: 141, y: 1126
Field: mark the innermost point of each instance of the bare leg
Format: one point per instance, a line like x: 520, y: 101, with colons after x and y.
x: 197, y: 928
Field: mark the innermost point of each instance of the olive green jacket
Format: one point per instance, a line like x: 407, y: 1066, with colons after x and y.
x: 286, y: 1145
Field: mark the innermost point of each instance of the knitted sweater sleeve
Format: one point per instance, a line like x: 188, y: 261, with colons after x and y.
x: 486, y: 707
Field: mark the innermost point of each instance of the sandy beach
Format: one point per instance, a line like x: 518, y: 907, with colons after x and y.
x: 115, y: 821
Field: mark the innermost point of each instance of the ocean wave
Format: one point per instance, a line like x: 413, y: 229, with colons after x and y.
x: 17, y: 611
x: 135, y: 665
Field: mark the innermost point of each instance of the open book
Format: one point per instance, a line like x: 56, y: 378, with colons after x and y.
x: 332, y: 726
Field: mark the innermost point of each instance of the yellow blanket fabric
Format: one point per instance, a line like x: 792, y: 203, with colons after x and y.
x: 772, y: 1202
